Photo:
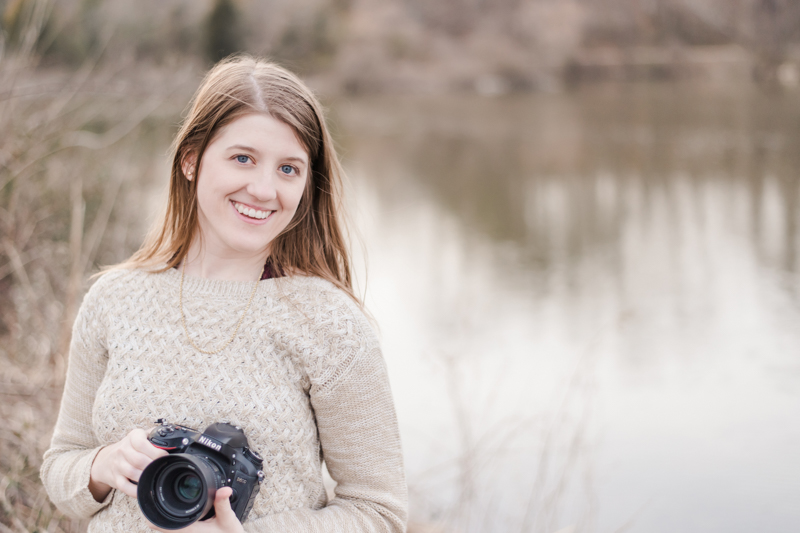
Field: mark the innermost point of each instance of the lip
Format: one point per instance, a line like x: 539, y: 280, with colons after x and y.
x: 253, y: 221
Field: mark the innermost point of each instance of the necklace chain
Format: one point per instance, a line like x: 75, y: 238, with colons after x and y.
x: 238, y: 324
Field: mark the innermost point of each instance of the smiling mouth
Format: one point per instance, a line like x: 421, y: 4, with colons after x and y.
x: 250, y: 212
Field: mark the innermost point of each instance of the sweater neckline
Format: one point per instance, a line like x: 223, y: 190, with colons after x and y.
x: 216, y: 287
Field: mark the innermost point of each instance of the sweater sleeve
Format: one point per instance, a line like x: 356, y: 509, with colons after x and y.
x: 360, y: 441
x: 67, y: 464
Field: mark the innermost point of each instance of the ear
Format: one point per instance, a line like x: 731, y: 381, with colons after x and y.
x: 188, y: 165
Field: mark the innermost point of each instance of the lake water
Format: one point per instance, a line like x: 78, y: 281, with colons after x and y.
x: 589, y: 304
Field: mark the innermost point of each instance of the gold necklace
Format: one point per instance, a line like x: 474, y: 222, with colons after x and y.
x: 238, y: 324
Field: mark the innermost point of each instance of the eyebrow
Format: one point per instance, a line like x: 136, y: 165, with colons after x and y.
x: 255, y: 151
x: 243, y: 147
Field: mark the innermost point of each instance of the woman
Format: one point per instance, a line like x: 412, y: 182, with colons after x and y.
x: 238, y: 308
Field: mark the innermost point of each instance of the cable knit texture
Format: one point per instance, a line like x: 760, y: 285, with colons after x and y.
x: 304, y: 378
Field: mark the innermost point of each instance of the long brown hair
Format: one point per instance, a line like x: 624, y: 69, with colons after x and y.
x: 313, y: 243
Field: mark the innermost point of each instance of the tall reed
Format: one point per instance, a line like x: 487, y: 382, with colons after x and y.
x: 73, y: 145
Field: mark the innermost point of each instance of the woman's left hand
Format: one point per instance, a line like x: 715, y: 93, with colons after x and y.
x: 224, y: 521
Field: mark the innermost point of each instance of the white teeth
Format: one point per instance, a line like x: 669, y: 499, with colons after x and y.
x: 250, y: 212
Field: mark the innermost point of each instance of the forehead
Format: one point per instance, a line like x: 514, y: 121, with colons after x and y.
x: 262, y: 132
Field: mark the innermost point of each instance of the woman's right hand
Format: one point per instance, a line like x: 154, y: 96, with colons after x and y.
x: 116, y: 465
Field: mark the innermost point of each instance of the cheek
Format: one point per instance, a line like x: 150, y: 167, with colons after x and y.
x: 203, y: 198
x: 296, y: 194
x: 210, y: 190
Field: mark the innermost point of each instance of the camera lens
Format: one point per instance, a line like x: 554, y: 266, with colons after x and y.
x: 188, y: 487
x: 177, y: 490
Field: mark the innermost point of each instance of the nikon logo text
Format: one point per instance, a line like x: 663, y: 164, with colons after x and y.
x: 210, y: 443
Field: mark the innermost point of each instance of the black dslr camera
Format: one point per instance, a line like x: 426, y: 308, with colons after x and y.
x: 177, y: 490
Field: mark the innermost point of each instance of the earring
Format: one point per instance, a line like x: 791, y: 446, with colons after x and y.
x: 189, y: 176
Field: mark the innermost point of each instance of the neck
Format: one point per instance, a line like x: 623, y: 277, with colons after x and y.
x: 202, y: 264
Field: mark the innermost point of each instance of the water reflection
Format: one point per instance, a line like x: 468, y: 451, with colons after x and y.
x: 495, y: 162
x: 589, y: 304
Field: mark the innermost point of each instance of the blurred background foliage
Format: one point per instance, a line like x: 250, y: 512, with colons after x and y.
x: 91, y: 92
x: 421, y: 45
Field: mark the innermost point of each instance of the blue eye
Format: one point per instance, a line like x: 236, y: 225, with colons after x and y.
x: 242, y: 158
x: 287, y: 169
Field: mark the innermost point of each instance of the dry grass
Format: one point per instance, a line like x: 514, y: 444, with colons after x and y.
x: 72, y: 146
x: 28, y: 413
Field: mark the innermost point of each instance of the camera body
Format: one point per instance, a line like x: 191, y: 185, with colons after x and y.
x: 177, y: 490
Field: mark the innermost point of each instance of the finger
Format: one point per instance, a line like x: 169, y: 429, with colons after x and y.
x: 129, y: 472
x: 154, y: 452
x: 135, y: 458
x: 125, y: 486
x: 222, y: 508
x: 138, y: 437
x: 140, y: 443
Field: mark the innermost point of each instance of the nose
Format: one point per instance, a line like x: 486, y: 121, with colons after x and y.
x: 263, y: 186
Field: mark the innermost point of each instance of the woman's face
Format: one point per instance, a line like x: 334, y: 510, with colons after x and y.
x: 251, y: 178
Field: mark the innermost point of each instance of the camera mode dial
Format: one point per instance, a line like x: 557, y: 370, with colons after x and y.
x: 253, y: 456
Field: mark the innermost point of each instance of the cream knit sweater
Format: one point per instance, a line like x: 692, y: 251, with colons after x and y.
x: 304, y: 378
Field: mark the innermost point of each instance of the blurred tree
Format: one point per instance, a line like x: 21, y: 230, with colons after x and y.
x: 74, y: 31
x: 12, y: 20
x: 775, y: 24
x: 223, y: 31
x: 21, y: 22
x: 460, y: 17
x: 310, y: 39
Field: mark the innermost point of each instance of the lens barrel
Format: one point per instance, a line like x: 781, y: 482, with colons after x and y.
x: 177, y: 490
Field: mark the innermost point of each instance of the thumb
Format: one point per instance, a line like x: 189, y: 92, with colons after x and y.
x: 222, y: 507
